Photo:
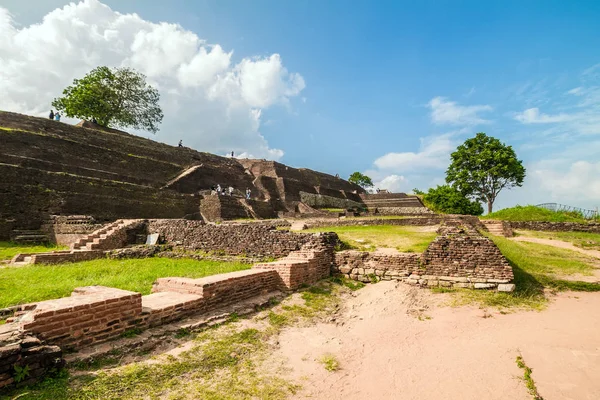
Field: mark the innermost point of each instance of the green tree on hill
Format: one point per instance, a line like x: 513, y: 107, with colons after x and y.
x: 361, y: 180
x: 118, y: 97
x: 449, y: 200
x: 482, y: 166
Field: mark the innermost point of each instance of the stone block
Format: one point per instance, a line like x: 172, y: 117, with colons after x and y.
x: 484, y: 285
x: 506, y: 287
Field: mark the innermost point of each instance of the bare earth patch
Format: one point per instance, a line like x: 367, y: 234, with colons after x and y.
x: 393, y: 341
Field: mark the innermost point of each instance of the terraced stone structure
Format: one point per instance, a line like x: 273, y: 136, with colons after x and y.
x: 52, y: 168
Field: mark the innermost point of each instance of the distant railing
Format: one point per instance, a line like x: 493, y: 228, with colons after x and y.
x: 587, y: 214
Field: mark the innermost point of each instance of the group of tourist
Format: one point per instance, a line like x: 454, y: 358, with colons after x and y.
x: 54, y: 116
x: 221, y: 191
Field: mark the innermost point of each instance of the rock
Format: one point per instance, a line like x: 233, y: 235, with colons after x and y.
x: 484, y: 286
x: 506, y: 287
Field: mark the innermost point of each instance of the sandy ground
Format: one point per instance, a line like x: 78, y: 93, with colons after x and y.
x: 558, y: 243
x: 394, y: 341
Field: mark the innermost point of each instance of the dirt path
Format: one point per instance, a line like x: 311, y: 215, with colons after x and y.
x: 557, y: 243
x: 393, y: 342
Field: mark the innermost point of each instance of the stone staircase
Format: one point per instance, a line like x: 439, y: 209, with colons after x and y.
x: 29, y: 237
x: 498, y: 228
x: 111, y: 236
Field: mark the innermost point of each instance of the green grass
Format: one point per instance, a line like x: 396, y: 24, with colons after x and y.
x: 333, y: 210
x: 8, y: 249
x: 585, y: 240
x: 330, y: 362
x: 368, y: 238
x: 533, y: 213
x: 31, y: 283
x: 536, y: 267
x: 528, y: 379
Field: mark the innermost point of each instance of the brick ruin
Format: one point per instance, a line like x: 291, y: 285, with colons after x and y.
x: 51, y: 168
x: 101, y: 190
x: 459, y: 257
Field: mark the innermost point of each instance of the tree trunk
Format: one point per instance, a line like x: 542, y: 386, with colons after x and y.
x: 490, y: 204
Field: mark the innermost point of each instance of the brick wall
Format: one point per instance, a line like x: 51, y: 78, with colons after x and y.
x: 364, y: 266
x: 592, y: 227
x: 67, y: 229
x: 204, y: 294
x: 60, y: 257
x: 92, y: 314
x: 459, y: 257
x: 252, y: 239
x: 25, y: 351
x: 306, y: 266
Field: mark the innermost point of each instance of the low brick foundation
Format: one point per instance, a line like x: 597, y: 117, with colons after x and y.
x: 59, y: 257
x: 19, y: 351
x: 92, y: 314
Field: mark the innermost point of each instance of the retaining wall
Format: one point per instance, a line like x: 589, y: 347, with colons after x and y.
x: 592, y: 227
x: 251, y: 239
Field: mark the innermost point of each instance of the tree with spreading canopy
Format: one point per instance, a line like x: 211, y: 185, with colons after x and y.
x: 482, y: 166
x: 118, y: 97
x: 449, y: 200
x: 361, y: 180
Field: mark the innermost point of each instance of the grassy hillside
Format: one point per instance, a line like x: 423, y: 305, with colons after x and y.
x: 533, y: 213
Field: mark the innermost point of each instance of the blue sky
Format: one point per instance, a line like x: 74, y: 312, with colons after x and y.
x: 391, y: 88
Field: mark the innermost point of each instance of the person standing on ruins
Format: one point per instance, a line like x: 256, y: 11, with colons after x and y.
x: 57, y: 116
x: 248, y: 193
x: 218, y: 188
x: 230, y: 190
x: 180, y: 143
x: 51, y: 116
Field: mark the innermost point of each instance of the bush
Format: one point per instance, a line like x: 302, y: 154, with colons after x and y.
x: 448, y: 200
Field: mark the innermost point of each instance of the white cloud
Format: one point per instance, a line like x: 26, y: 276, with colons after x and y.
x: 446, y: 112
x: 393, y: 183
x: 582, y: 119
x: 210, y: 103
x: 533, y: 116
x: 434, y: 153
x: 576, y: 184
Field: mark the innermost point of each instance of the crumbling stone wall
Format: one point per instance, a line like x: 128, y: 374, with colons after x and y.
x: 592, y: 227
x: 25, y: 352
x: 67, y: 229
x: 459, y: 257
x: 251, y: 239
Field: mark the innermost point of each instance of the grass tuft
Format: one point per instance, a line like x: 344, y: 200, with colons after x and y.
x: 529, y: 382
x: 330, y: 363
